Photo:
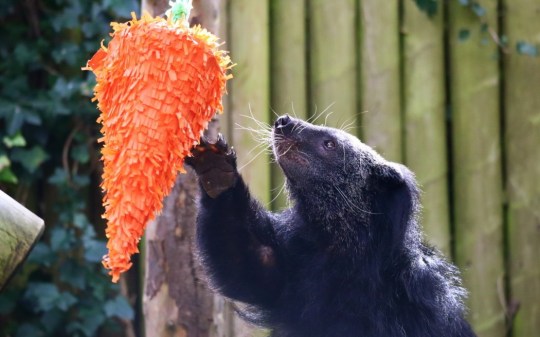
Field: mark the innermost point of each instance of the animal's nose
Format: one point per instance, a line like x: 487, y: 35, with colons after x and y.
x: 282, y: 121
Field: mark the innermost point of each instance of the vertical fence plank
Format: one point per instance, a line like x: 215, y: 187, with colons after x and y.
x: 332, y: 60
x: 250, y: 94
x: 288, y: 69
x: 424, y: 122
x: 476, y: 157
x: 380, y: 76
x: 225, y: 120
x: 249, y: 43
x: 522, y: 117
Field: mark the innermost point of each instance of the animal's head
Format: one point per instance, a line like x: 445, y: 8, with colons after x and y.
x: 341, y: 181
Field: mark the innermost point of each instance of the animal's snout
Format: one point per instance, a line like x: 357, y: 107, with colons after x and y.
x: 285, y: 125
x: 282, y: 122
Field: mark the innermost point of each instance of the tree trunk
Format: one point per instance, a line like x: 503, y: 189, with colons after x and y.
x: 19, y: 230
x: 177, y: 300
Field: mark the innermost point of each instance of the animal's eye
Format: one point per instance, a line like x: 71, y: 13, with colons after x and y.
x: 329, y: 144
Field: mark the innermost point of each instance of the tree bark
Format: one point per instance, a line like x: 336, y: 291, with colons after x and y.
x: 177, y: 300
x: 19, y: 230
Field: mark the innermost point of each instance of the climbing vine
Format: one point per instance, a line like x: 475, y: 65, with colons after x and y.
x: 49, y: 161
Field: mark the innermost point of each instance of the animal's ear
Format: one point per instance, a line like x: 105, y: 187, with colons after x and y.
x: 394, y: 173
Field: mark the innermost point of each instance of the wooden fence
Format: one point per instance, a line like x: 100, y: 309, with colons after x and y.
x: 434, y: 93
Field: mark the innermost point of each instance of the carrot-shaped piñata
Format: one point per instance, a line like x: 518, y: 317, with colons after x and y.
x: 159, y: 83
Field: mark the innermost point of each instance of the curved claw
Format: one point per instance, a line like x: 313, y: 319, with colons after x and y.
x: 215, y: 164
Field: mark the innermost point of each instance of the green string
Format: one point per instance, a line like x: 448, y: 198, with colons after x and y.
x: 179, y: 10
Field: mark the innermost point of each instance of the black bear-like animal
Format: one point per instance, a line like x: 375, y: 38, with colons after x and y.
x: 347, y: 258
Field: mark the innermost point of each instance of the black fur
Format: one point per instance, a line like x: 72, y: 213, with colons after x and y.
x: 345, y: 260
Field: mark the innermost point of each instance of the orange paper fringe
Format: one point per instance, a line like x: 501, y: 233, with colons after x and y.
x: 159, y: 83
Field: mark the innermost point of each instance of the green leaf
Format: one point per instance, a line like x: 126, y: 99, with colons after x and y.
x: 59, y: 177
x: 51, y: 320
x: 94, y: 250
x: 8, y: 301
x: 80, y: 180
x: 525, y: 48
x: 80, y: 153
x: 80, y: 220
x: 43, y: 295
x: 73, y: 274
x: 428, y: 6
x: 46, y: 296
x: 4, y: 162
x: 478, y: 9
x: 89, y: 322
x: 42, y: 254
x: 463, y: 34
x: 16, y: 140
x: 61, y: 239
x: 30, y: 159
x: 7, y: 176
x: 65, y: 301
x: 119, y: 307
x: 29, y: 330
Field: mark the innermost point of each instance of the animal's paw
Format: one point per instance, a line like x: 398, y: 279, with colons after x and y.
x: 215, y: 164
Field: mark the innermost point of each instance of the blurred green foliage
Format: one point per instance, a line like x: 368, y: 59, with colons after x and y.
x: 430, y: 7
x: 49, y: 159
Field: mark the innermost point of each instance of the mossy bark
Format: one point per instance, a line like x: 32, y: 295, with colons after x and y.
x: 177, y: 300
x: 19, y: 230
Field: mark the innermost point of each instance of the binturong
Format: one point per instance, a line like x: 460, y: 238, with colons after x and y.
x: 345, y: 260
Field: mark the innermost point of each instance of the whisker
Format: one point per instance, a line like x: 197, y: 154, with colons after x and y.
x: 293, y: 111
x: 277, y: 195
x: 252, y: 159
x: 326, y: 118
x: 316, y: 116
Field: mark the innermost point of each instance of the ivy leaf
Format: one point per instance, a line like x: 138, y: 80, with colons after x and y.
x: 42, y: 255
x: 525, y: 48
x: 94, y: 250
x: 59, y: 177
x: 463, y: 34
x: 428, y: 6
x: 80, y: 220
x: 7, y: 176
x: 61, y: 239
x: 80, y: 180
x: 16, y: 140
x: 46, y: 296
x: 42, y: 295
x: 51, y: 320
x: 65, y: 301
x: 89, y: 322
x: 30, y: 159
x: 8, y: 301
x: 119, y: 307
x: 29, y: 330
x: 73, y: 274
x: 478, y: 9
x: 80, y: 153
